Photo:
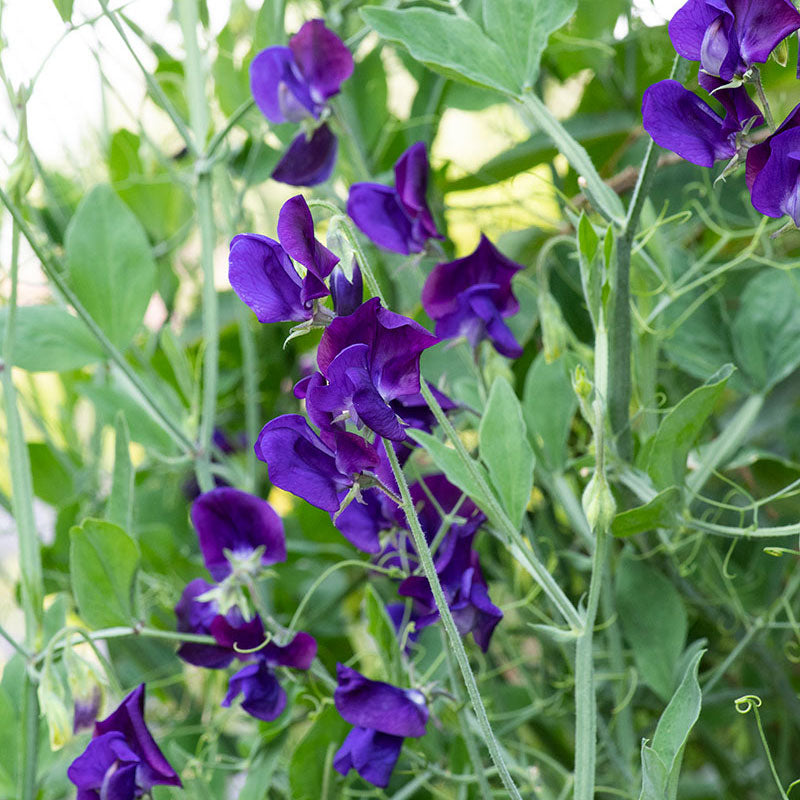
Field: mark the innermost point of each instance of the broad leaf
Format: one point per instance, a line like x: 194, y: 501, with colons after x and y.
x: 64, y: 8
x: 548, y: 406
x: 522, y: 28
x: 50, y: 339
x: 313, y: 756
x: 661, y: 760
x: 102, y: 562
x: 452, y: 45
x: 505, y: 450
x: 680, y: 428
x: 658, y: 513
x: 111, y: 267
x: 653, y: 620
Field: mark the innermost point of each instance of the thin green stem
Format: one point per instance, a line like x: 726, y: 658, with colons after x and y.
x: 219, y: 137
x: 56, y: 277
x: 29, y: 752
x: 199, y: 117
x: 14, y: 643
x: 454, y: 638
x: 152, y: 84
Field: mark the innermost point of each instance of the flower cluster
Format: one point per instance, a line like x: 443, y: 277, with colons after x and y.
x: 729, y: 39
x: 293, y: 84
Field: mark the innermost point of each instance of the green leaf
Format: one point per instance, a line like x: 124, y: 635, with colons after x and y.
x: 661, y: 760
x: 653, y: 620
x: 505, y: 449
x: 680, y: 428
x: 522, y: 28
x: 52, y: 480
x: 9, y: 745
x: 64, y: 8
x: 383, y: 632
x: 658, y: 513
x: 120, y: 501
x: 548, y: 406
x: 111, y: 267
x: 766, y: 330
x: 590, y: 267
x: 262, y: 768
x: 50, y: 339
x: 452, y: 45
x: 448, y: 461
x: 102, y: 562
x: 310, y: 767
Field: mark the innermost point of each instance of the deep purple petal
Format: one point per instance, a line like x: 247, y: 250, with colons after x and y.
x: 195, y: 616
x: 299, y: 653
x: 361, y: 522
x: 322, y: 58
x: 411, y: 185
x: 236, y: 634
x: 347, y: 295
x: 296, y: 234
x: 378, y: 214
x: 120, y: 784
x: 230, y: 519
x: 308, y: 162
x: 371, y: 753
x: 353, y: 453
x: 89, y: 769
x: 688, y: 26
x: 300, y: 462
x: 128, y: 719
x: 264, y: 278
x: 739, y: 106
x: 264, y: 697
x: 378, y: 705
x: 758, y: 154
x: 761, y: 25
x: 776, y: 188
x: 680, y: 121
x: 373, y: 411
x: 279, y: 93
x: 85, y: 709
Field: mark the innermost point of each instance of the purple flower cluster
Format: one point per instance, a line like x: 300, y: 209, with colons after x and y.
x: 728, y: 38
x: 293, y: 84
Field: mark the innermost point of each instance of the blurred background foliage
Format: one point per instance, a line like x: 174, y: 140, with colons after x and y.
x: 710, y: 288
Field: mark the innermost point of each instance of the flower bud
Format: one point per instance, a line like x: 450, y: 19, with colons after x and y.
x: 86, y: 689
x: 598, y: 503
x: 54, y: 709
x: 554, y: 329
x: 347, y: 294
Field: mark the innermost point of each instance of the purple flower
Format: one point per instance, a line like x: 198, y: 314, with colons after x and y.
x: 232, y: 520
x: 122, y: 761
x: 347, y: 295
x: 314, y: 468
x: 294, y: 82
x: 729, y: 36
x: 398, y: 218
x: 470, y: 297
x: 264, y: 697
x: 309, y: 160
x: 680, y: 121
x: 773, y: 170
x: 368, y: 358
x: 383, y: 715
x: 296, y: 234
x: 361, y: 522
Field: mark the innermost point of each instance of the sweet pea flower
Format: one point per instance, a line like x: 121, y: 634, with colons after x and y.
x: 470, y: 297
x: 383, y: 715
x: 228, y: 519
x: 728, y: 36
x: 773, y: 170
x: 264, y: 697
x: 347, y: 295
x: 680, y: 121
x: 315, y: 468
x: 122, y: 761
x: 396, y: 219
x: 368, y: 359
x: 293, y: 84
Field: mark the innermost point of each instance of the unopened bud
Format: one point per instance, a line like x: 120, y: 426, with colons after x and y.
x: 86, y: 689
x: 54, y: 709
x: 598, y: 503
x: 347, y: 294
x: 554, y: 329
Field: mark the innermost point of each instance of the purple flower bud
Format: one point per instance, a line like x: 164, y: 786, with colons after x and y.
x: 290, y: 83
x: 680, y: 121
x: 316, y: 469
x: 379, y: 706
x: 308, y: 162
x: 196, y: 616
x: 229, y: 519
x: 773, y: 170
x: 370, y: 753
x: 347, y: 296
x: 470, y: 297
x: 122, y: 761
x: 396, y: 219
x: 729, y: 36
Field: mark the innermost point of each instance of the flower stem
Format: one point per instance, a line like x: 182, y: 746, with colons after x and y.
x: 199, y: 118
x: 453, y: 636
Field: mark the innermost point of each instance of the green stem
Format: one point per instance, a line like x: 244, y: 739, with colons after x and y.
x: 233, y: 120
x: 539, y: 117
x: 453, y: 636
x: 14, y: 643
x: 152, y: 84
x: 56, y: 277
x: 29, y: 752
x: 199, y: 117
